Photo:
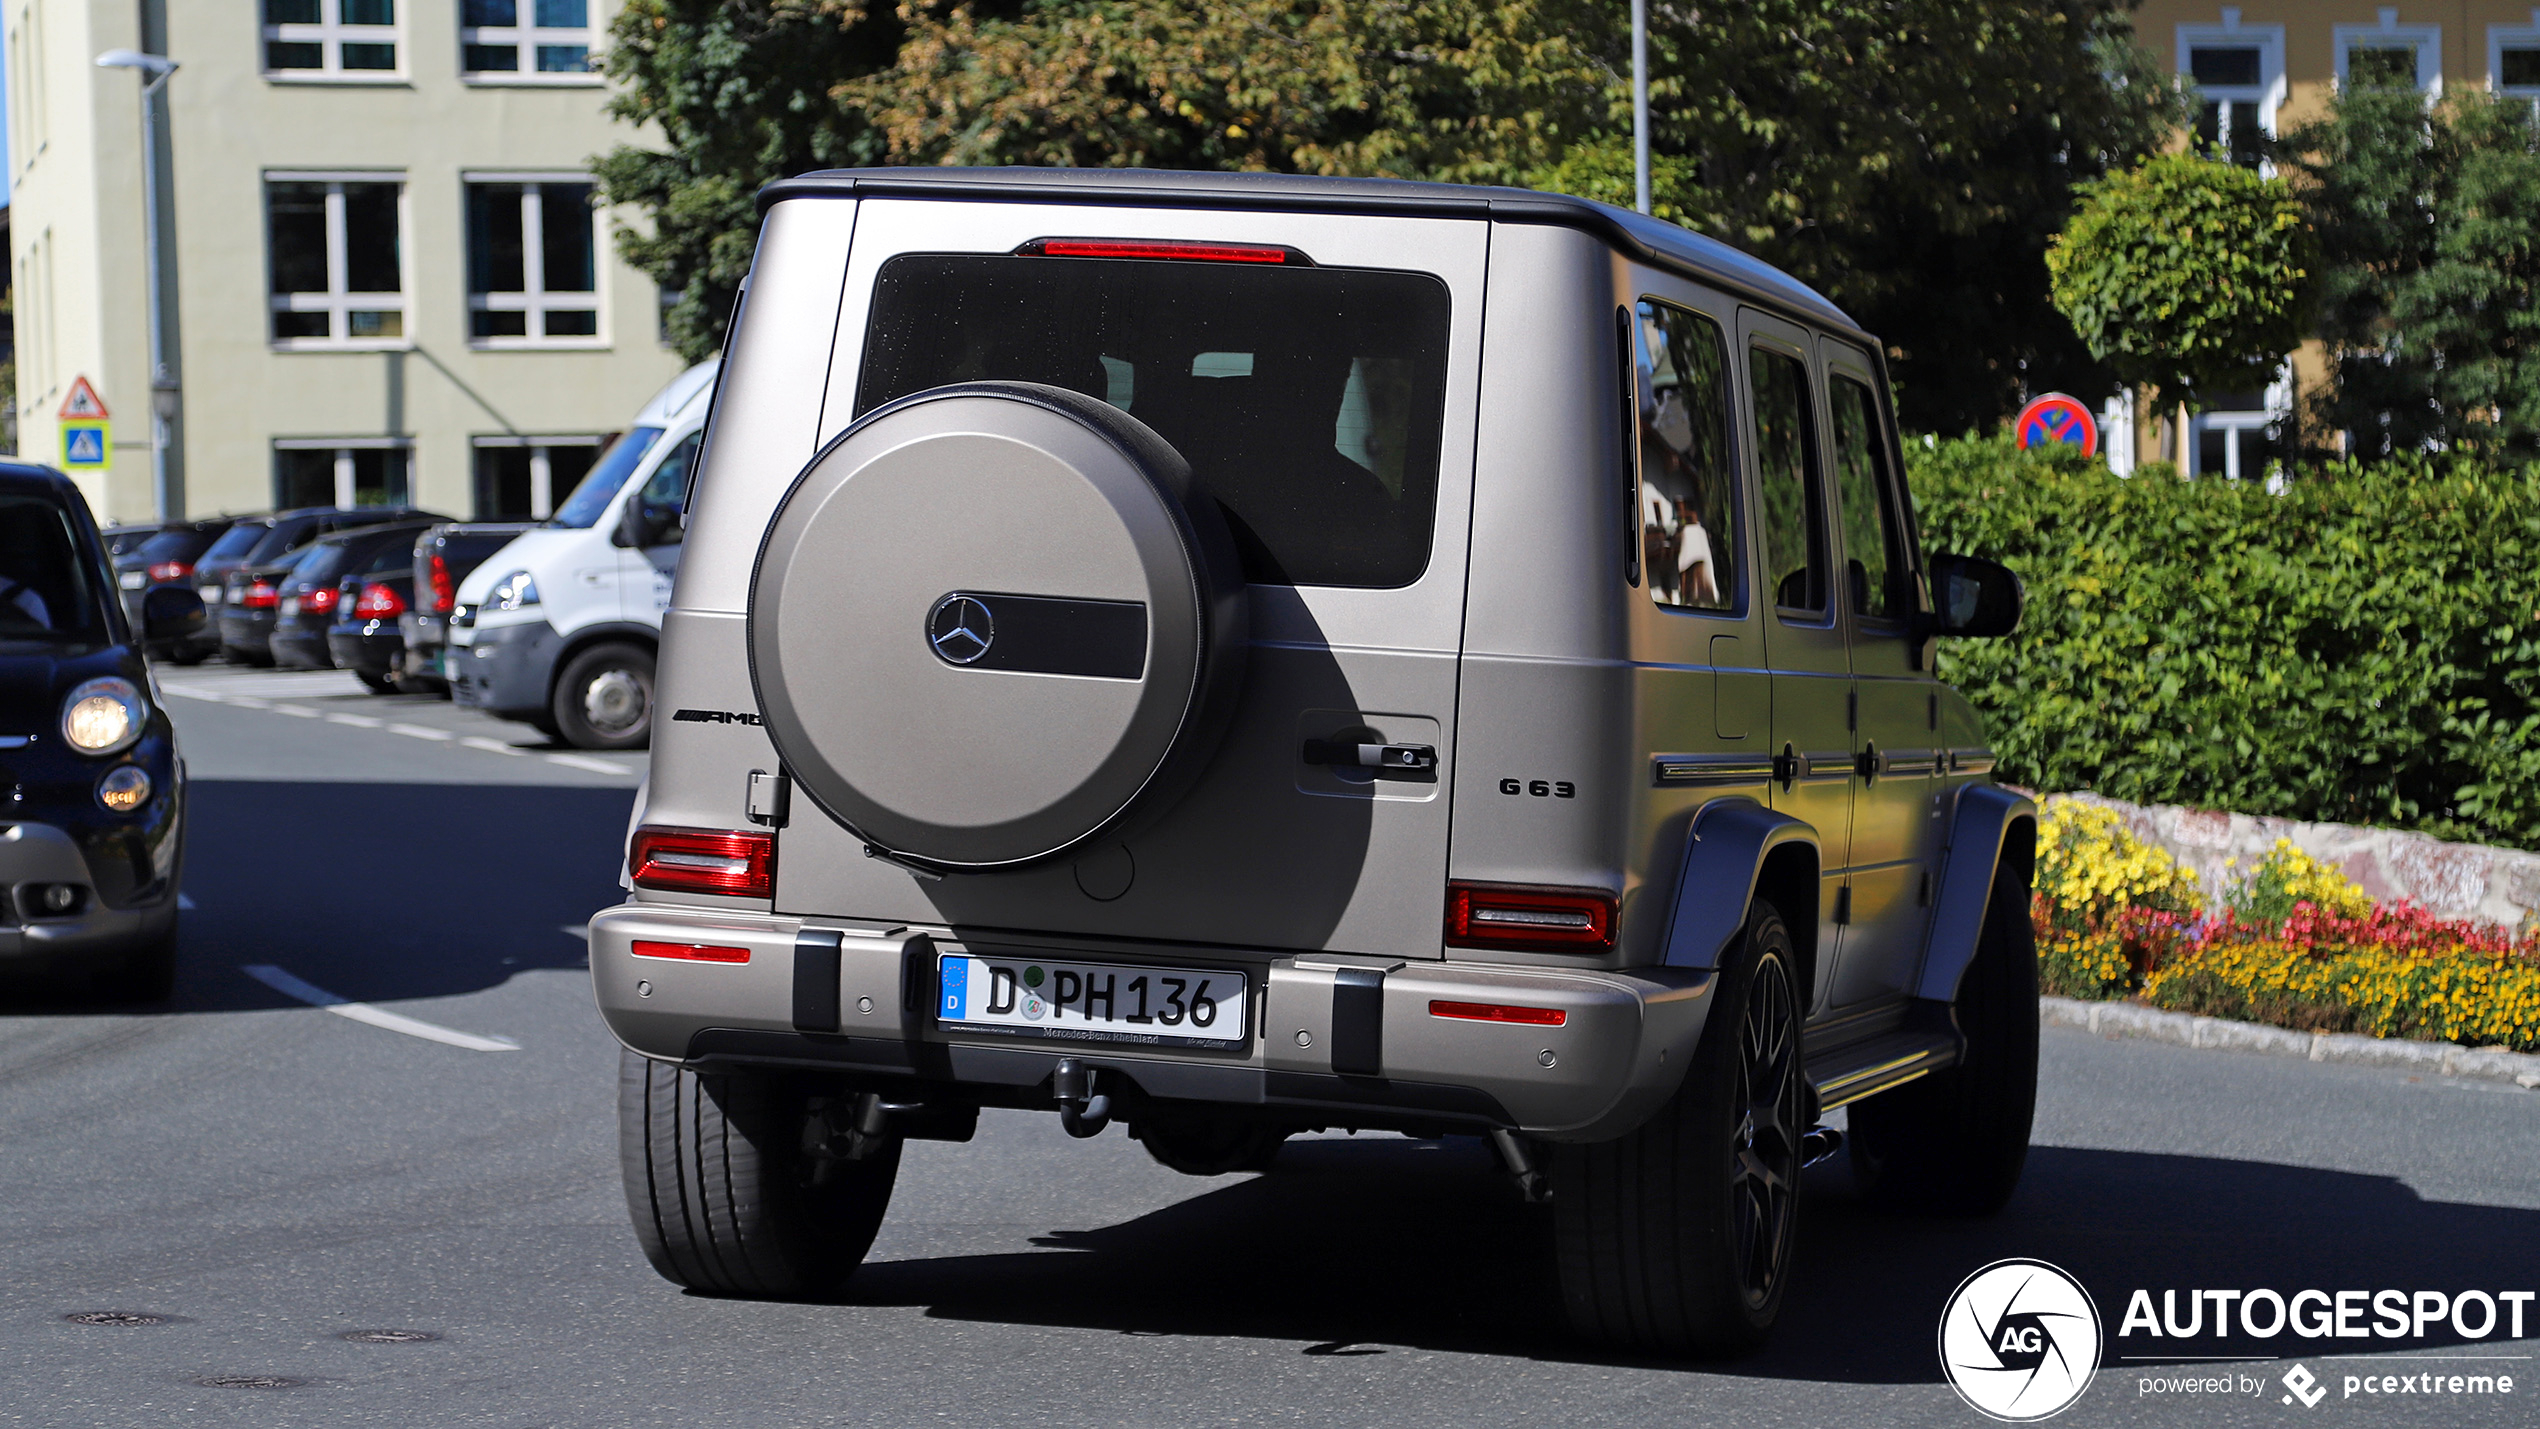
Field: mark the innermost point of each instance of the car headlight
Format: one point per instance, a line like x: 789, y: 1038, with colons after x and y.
x: 125, y: 788
x: 513, y: 592
x: 103, y: 716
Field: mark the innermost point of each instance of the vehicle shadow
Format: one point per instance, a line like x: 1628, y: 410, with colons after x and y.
x: 1351, y: 1246
x: 377, y: 892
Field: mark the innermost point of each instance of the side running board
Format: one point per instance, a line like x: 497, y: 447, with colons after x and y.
x: 1890, y: 1059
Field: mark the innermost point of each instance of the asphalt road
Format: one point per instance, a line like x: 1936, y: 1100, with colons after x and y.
x: 267, y: 1178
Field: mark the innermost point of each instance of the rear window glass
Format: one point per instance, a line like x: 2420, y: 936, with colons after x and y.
x: 235, y: 542
x: 284, y: 536
x: 178, y: 545
x: 1308, y: 401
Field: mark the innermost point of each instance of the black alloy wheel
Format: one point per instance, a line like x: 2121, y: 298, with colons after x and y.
x: 1764, y: 1185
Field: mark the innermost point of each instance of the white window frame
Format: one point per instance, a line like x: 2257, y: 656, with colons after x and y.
x: 336, y: 302
x: 523, y: 39
x: 330, y: 35
x: 542, y: 477
x: 2268, y: 40
x: 344, y: 447
x: 2520, y: 37
x: 2389, y: 34
x: 2276, y: 406
x: 533, y: 298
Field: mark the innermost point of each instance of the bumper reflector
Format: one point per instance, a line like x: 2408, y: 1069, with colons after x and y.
x: 1529, y: 919
x: 1497, y: 1012
x: 691, y: 952
x: 727, y: 862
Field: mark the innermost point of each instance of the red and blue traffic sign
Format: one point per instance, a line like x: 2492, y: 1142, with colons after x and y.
x: 2058, y: 418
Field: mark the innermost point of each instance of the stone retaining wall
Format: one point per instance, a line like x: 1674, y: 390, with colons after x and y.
x: 2489, y: 885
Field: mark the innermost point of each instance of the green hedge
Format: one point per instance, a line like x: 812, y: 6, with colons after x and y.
x: 2363, y: 648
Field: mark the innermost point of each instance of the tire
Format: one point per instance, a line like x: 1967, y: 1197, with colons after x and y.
x: 377, y: 683
x: 1676, y: 1239
x: 187, y: 656
x: 1954, y: 1143
x: 604, y: 698
x: 724, y: 1199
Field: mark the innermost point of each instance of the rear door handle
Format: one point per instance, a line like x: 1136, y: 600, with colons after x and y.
x: 1370, y: 756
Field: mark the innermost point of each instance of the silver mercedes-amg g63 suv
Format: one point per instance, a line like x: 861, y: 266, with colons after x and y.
x: 1238, y: 655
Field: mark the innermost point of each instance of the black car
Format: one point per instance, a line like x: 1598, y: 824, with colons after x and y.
x: 167, y: 557
x: 251, y: 597
x: 121, y: 539
x: 89, y: 869
x: 259, y: 542
x: 327, y: 582
x: 443, y: 558
x: 367, y: 637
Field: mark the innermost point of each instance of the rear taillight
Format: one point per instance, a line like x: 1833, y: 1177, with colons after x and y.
x: 1529, y: 919
x: 691, y: 952
x: 736, y: 865
x: 260, y: 595
x: 445, y: 591
x: 318, y: 600
x: 1170, y: 251
x: 379, y: 602
x: 171, y: 570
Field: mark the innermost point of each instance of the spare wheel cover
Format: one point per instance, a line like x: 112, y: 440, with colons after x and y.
x: 989, y: 619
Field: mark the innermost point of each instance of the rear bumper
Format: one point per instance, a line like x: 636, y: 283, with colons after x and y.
x: 296, y: 647
x: 1623, y: 1044
x: 32, y: 855
x: 374, y: 647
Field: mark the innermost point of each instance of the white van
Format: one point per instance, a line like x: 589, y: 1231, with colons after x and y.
x: 559, y: 628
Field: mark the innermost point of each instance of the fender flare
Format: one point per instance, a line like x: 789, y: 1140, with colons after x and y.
x: 1990, y: 824
x: 1725, y: 853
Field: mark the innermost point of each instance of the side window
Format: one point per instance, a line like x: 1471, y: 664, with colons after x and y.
x: 1786, y: 467
x: 1875, y: 571
x: 1688, y: 489
x: 665, y: 493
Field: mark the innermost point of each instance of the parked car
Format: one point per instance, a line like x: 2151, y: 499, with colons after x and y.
x: 95, y: 846
x: 367, y: 637
x: 120, y: 539
x: 251, y: 597
x: 1203, y: 667
x: 559, y: 628
x: 167, y: 557
x: 261, y: 541
x: 326, y: 583
x: 445, y: 556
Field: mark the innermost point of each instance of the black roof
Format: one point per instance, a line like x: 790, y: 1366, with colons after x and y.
x: 28, y: 479
x: 1649, y: 240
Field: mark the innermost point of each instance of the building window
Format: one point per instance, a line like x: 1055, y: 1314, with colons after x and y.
x: 532, y: 261
x: 337, y: 259
x: 2235, y: 435
x: 2237, y: 72
x: 342, y: 471
x: 2513, y: 60
x: 2390, y: 55
x: 336, y: 39
x: 526, y: 40
x: 517, y: 478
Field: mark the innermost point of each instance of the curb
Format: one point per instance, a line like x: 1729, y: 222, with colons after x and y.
x: 2122, y: 1019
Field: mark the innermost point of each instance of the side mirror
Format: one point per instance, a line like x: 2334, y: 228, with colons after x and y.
x: 1973, y: 596
x: 171, y: 612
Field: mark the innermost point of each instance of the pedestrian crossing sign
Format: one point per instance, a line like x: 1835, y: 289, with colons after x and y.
x: 84, y: 446
x: 83, y: 403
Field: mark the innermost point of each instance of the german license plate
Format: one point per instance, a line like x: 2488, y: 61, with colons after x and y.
x: 1175, y: 1007
x: 290, y: 605
x: 133, y: 580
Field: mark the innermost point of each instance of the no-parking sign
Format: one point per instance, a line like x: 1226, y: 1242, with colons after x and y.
x: 2058, y: 418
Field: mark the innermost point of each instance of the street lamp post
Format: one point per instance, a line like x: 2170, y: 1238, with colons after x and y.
x: 166, y: 398
x: 1640, y: 105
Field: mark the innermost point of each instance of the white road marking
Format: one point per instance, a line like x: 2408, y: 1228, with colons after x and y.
x: 416, y: 731
x: 289, y: 986
x: 491, y: 746
x: 357, y: 721
x: 596, y: 766
x: 194, y: 692
x: 579, y: 932
x: 250, y: 702
x: 186, y: 902
x: 303, y: 711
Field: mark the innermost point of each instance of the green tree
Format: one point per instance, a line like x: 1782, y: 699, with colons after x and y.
x: 737, y: 93
x: 2430, y: 285
x: 2187, y: 274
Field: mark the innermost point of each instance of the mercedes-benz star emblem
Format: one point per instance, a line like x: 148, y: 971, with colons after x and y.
x: 961, y: 630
